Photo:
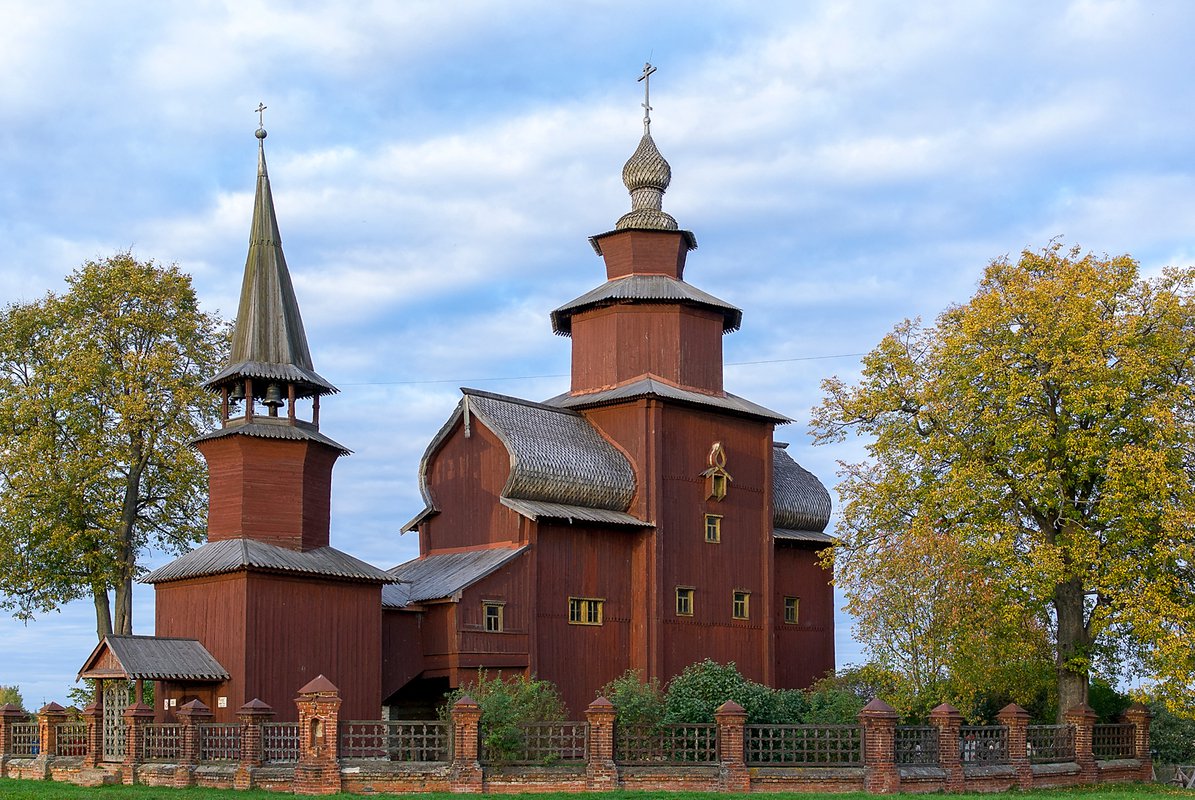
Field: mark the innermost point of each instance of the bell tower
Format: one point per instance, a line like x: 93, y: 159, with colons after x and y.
x: 269, y: 469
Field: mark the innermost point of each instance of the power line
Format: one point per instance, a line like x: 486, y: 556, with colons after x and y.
x: 565, y: 374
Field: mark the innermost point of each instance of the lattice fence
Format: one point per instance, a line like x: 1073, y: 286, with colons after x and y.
x: 279, y: 742
x: 540, y: 743
x: 666, y: 744
x: 824, y: 745
x: 983, y: 744
x: 72, y: 738
x: 916, y: 744
x: 1050, y: 744
x: 220, y: 741
x: 163, y: 742
x: 395, y: 740
x: 25, y: 740
x: 1113, y: 741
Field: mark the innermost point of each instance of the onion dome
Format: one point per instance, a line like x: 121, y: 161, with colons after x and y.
x: 646, y: 175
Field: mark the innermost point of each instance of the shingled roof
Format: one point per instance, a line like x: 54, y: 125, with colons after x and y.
x: 441, y: 576
x: 152, y: 658
x: 556, y: 455
x: 639, y: 289
x: 800, y: 503
x: 232, y: 555
x: 653, y: 387
x: 263, y: 427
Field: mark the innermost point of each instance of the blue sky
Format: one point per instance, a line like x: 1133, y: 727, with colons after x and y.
x: 437, y: 167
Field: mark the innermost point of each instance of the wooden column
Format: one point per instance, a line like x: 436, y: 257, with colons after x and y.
x: 731, y: 719
x: 190, y: 717
x: 880, y: 775
x: 947, y: 719
x: 466, y: 775
x: 601, y: 773
x: 1016, y: 719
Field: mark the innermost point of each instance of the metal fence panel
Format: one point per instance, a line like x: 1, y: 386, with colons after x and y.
x: 983, y: 744
x: 279, y: 742
x: 1050, y: 744
x: 666, y: 744
x: 395, y: 740
x: 916, y: 744
x: 541, y: 743
x: 220, y: 741
x: 1113, y: 741
x: 72, y: 738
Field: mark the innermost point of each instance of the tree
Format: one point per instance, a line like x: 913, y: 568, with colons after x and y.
x: 11, y: 695
x: 1047, y: 429
x: 99, y: 397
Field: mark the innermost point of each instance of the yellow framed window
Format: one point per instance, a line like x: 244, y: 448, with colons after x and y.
x: 713, y: 528
x: 792, y: 610
x: 585, y: 611
x: 684, y: 601
x: 492, y: 616
x: 741, y: 604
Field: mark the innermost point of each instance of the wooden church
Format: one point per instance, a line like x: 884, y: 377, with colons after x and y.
x: 646, y: 519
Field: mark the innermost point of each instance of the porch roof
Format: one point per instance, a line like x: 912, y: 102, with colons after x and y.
x: 152, y: 658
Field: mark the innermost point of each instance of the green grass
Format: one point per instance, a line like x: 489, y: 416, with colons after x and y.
x: 46, y: 790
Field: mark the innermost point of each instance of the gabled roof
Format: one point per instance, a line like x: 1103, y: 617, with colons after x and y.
x: 653, y: 387
x: 152, y: 658
x: 441, y: 576
x: 556, y: 455
x: 800, y: 503
x: 268, y: 340
x: 638, y: 289
x: 264, y: 427
x: 232, y: 555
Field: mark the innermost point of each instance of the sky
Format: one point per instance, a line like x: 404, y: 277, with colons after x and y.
x: 438, y: 166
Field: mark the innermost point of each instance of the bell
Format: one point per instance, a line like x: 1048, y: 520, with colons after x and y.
x: 238, y: 391
x: 273, y: 398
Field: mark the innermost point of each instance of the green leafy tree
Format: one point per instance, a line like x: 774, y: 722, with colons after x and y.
x: 506, y: 704
x: 99, y: 397
x: 11, y: 695
x: 1046, y: 428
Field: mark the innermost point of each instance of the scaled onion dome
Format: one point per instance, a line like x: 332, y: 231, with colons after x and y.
x: 646, y: 175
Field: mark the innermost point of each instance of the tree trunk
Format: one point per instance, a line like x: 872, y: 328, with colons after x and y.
x: 123, y: 623
x: 103, y: 612
x: 1074, y: 646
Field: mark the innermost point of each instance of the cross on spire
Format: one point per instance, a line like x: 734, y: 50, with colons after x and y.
x: 648, y: 69
x: 261, y: 117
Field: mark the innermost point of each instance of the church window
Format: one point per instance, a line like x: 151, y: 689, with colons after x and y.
x: 684, y: 601
x: 585, y: 611
x: 713, y: 528
x: 741, y: 605
x: 792, y: 610
x: 493, y: 616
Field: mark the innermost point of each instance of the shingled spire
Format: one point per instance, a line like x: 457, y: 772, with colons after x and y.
x: 269, y: 346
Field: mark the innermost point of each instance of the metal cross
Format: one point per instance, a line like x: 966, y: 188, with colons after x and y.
x: 648, y: 69
x: 261, y: 117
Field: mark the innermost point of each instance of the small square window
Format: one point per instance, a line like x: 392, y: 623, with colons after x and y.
x: 493, y: 616
x: 585, y: 611
x: 792, y: 610
x: 713, y: 528
x: 741, y: 606
x: 684, y: 601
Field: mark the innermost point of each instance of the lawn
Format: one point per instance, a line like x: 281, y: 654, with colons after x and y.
x: 44, y: 790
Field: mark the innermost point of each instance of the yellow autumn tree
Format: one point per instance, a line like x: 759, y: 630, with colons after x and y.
x: 1046, y: 429
x: 99, y: 399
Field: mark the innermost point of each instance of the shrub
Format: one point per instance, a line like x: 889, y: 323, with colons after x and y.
x: 695, y: 694
x: 636, y: 701
x: 1172, y: 737
x: 505, y: 705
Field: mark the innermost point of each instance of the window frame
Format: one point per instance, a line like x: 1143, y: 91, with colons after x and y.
x: 793, y: 602
x: 740, y: 597
x: 499, y: 606
x: 689, y: 593
x: 716, y: 519
x: 585, y: 606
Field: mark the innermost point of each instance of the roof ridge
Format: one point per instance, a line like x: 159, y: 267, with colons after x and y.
x: 517, y: 401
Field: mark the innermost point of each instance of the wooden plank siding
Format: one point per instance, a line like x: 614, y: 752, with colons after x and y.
x: 805, y: 651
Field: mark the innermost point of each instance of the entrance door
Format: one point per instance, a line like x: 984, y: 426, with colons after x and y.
x: 116, y: 699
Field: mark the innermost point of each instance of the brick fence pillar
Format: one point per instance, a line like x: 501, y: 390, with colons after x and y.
x: 318, y: 770
x: 190, y: 717
x: 93, y: 715
x: 731, y: 718
x: 9, y: 715
x: 1016, y: 719
x: 601, y: 773
x: 252, y: 716
x: 466, y: 773
x: 1139, y: 716
x: 880, y: 775
x: 949, y: 722
x: 1083, y: 719
x: 136, y: 717
x: 49, y: 718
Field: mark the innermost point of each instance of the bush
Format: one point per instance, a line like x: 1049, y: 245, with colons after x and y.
x: 505, y: 705
x: 1172, y: 737
x: 636, y: 701
x: 695, y: 694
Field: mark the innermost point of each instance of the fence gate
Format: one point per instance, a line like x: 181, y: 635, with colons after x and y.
x: 116, y: 700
